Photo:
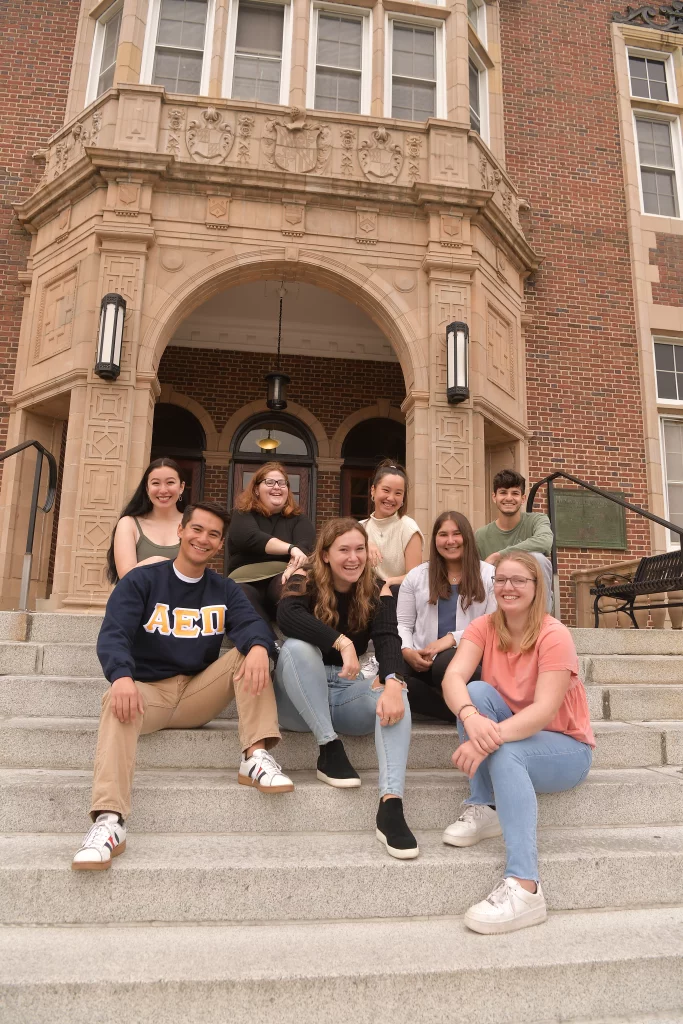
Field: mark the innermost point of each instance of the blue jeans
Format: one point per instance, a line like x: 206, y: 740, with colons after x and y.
x: 548, y: 762
x: 311, y: 697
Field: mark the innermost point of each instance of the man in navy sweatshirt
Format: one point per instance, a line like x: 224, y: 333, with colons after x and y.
x: 159, y: 647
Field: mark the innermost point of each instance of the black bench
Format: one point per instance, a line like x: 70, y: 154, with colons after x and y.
x: 658, y: 574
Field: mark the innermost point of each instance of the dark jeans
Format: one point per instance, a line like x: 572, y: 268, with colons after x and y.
x: 264, y: 596
x: 424, y: 688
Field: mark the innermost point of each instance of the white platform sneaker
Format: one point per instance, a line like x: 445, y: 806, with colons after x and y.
x: 508, y: 908
x: 477, y: 822
x: 106, y: 839
x: 262, y: 771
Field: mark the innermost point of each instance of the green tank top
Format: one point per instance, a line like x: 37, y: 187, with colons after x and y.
x: 146, y: 548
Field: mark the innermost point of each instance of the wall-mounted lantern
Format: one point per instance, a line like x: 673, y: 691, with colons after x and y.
x: 112, y: 314
x: 457, y: 362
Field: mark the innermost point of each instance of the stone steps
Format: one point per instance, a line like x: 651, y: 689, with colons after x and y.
x: 369, y: 972
x: 70, y: 743
x: 311, y: 876
x: 205, y: 800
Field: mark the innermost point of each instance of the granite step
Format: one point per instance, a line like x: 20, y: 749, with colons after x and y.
x: 205, y: 800
x: 641, y: 669
x: 50, y: 659
x: 591, y: 963
x: 224, y: 878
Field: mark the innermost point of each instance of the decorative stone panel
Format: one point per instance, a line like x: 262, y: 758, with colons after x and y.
x: 500, y: 351
x: 56, y: 315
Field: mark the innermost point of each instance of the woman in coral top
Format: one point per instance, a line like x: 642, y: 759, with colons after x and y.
x: 526, y: 730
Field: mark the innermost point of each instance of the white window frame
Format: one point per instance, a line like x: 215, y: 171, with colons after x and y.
x: 483, y: 93
x: 677, y: 150
x: 480, y: 27
x: 670, y: 544
x: 440, y: 53
x: 657, y: 339
x: 664, y: 58
x: 149, y: 46
x: 366, y: 50
x: 96, y: 53
x: 286, y: 62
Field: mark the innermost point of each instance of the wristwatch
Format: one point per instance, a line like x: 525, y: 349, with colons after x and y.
x: 290, y: 549
x: 396, y: 675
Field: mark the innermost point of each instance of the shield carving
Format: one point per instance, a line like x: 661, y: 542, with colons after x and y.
x: 367, y: 222
x: 128, y: 194
x: 218, y: 207
x: 210, y: 139
x: 297, y: 146
x: 379, y: 159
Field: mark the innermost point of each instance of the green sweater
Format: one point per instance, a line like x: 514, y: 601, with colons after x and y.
x: 532, y: 533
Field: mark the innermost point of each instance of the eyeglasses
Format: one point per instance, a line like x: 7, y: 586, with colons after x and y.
x: 518, y: 582
x: 269, y: 482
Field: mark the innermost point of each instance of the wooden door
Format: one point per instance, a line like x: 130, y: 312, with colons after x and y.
x: 299, y: 482
x: 356, y: 483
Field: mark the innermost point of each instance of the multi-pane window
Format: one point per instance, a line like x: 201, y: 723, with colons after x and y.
x: 475, y: 98
x: 338, y: 67
x: 669, y: 367
x: 258, y: 52
x: 179, y: 49
x: 657, y: 169
x: 476, y: 15
x: 648, y: 78
x: 413, y: 72
x: 110, y: 41
x: 672, y: 434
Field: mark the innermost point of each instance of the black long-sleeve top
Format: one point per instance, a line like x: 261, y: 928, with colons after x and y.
x: 296, y: 619
x: 249, y: 533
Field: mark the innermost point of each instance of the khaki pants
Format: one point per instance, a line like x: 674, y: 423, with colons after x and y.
x: 181, y: 702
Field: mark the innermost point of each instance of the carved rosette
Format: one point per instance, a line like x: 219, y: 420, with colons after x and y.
x: 380, y: 160
x: 297, y: 145
x: 210, y: 139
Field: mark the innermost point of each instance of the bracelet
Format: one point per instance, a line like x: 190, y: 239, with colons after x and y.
x: 463, y: 720
x: 339, y: 644
x: 290, y: 549
x: 463, y: 708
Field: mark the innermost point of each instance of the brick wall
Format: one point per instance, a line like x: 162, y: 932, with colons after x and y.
x: 668, y: 257
x: 563, y: 150
x: 36, y: 50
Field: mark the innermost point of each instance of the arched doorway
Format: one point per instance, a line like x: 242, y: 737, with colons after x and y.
x: 178, y: 434
x: 295, y: 449
x: 366, y: 444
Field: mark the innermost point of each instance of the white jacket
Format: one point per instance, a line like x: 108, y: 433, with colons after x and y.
x: 418, y: 620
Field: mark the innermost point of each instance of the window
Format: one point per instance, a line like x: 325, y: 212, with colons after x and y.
x: 669, y: 367
x: 475, y: 105
x: 413, y: 72
x: 105, y: 46
x: 339, y: 62
x: 476, y: 15
x: 657, y: 169
x: 672, y: 443
x: 179, y: 29
x: 257, y: 69
x: 648, y: 78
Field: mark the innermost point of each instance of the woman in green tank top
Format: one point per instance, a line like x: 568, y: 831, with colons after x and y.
x: 147, y: 530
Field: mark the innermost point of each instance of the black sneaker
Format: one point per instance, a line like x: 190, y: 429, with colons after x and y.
x: 393, y: 831
x: 334, y: 767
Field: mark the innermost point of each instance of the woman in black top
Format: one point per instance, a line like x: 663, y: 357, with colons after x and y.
x: 268, y: 539
x: 329, y: 613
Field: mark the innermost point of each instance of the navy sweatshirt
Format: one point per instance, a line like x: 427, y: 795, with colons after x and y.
x: 157, y: 625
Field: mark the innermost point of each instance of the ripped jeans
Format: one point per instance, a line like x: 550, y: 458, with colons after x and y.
x: 311, y: 697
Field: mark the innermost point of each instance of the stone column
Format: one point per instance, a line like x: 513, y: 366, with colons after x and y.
x: 300, y: 28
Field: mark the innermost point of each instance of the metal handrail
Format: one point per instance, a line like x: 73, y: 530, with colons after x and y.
x: 43, y: 453
x: 603, y: 494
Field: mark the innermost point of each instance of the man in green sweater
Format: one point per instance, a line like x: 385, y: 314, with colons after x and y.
x: 514, y: 530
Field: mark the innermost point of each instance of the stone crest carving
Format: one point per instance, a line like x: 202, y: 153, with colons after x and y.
x: 347, y: 137
x: 245, y: 127
x: 451, y: 231
x: 176, y: 119
x: 217, y: 212
x: 413, y: 145
x: 648, y: 15
x: 293, y: 219
x: 366, y: 226
x: 297, y: 145
x: 380, y: 160
x: 210, y: 139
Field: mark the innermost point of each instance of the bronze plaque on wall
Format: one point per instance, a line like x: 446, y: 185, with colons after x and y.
x: 586, y: 520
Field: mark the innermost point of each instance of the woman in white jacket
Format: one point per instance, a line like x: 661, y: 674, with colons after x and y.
x: 436, y: 602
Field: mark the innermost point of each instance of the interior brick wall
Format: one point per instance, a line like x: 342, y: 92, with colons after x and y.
x: 37, y: 39
x: 668, y: 257
x: 563, y: 151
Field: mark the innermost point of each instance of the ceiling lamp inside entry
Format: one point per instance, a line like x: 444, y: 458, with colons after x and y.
x: 268, y: 444
x: 277, y: 381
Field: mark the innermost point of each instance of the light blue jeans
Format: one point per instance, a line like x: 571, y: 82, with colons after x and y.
x: 311, y: 697
x: 548, y: 762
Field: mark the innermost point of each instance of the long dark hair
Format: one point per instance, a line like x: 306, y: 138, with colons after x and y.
x: 139, y: 505
x: 390, y: 468
x: 471, y: 587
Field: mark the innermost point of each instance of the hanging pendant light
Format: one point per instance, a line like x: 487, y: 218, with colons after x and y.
x: 268, y: 444
x: 277, y: 381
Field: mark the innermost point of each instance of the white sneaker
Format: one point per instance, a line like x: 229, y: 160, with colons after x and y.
x: 477, y: 822
x: 106, y: 839
x: 369, y: 665
x: 262, y: 771
x: 508, y: 908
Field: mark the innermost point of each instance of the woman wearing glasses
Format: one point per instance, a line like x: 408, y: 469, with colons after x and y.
x: 525, y: 730
x: 268, y: 539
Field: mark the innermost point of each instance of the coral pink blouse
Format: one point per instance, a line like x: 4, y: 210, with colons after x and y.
x: 515, y: 675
